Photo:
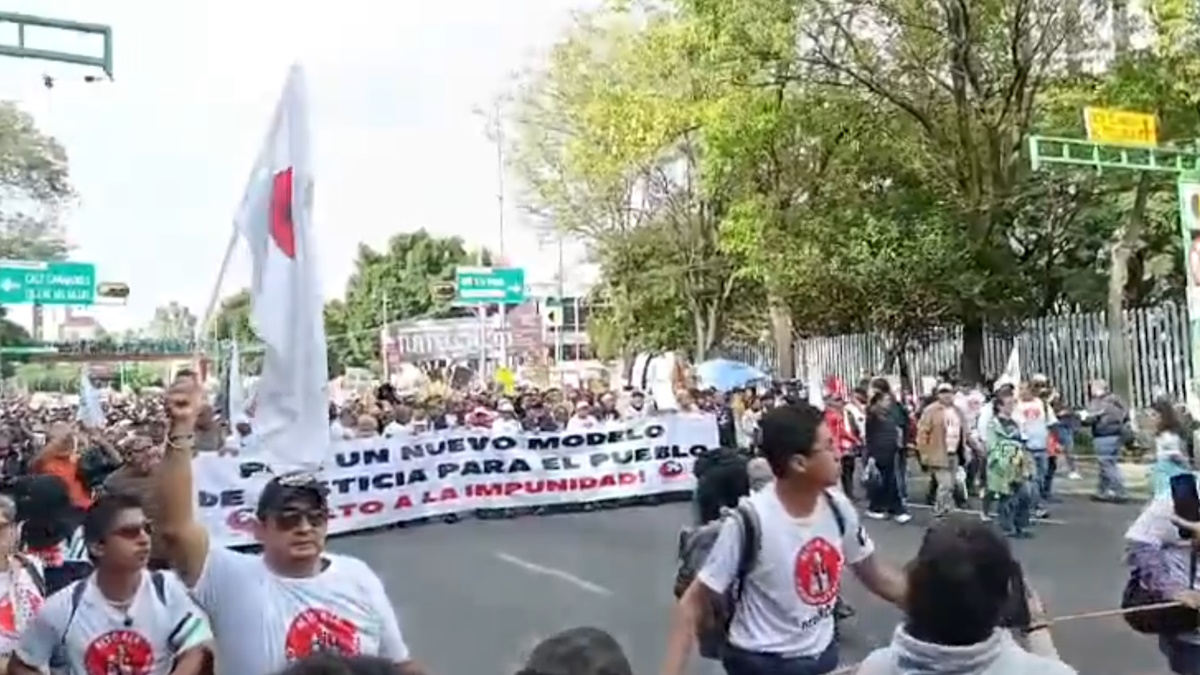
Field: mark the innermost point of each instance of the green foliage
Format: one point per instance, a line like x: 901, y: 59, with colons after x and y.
x: 232, y: 319
x: 12, y: 334
x: 396, y: 283
x: 859, y: 161
x: 35, y: 188
x: 393, y: 284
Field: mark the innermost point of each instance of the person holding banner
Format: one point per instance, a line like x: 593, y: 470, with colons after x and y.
x: 295, y: 599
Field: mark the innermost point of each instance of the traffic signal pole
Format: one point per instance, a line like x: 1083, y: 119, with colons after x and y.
x: 22, y: 50
x: 1184, y: 164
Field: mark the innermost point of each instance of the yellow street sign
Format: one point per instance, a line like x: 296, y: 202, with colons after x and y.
x: 1108, y: 125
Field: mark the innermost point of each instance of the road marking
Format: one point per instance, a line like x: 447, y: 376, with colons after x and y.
x: 535, y: 568
x: 1048, y: 521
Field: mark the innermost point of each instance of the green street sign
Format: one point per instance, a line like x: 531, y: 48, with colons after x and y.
x: 25, y: 282
x: 489, y: 285
x: 21, y: 351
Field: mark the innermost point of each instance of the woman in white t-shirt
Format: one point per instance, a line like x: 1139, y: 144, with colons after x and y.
x: 22, y: 584
x: 292, y: 601
x: 1169, y: 456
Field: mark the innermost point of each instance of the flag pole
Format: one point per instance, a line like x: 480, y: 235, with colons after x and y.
x: 202, y: 327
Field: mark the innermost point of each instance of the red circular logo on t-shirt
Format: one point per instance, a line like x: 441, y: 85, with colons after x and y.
x: 818, y: 572
x: 241, y: 520
x: 314, y: 631
x: 119, y: 652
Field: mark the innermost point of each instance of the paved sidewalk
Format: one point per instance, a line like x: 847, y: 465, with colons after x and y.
x: 1136, y: 475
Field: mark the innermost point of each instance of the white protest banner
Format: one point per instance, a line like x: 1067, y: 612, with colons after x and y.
x: 377, y: 482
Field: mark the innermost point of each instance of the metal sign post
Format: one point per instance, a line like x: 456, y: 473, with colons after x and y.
x: 21, y: 50
x: 1121, y: 142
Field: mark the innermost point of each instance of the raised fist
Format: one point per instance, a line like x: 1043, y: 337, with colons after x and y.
x: 184, y: 400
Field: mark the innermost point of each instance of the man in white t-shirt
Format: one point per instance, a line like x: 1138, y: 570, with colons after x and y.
x: 783, y: 621
x: 292, y: 601
x: 122, y: 618
x: 242, y: 441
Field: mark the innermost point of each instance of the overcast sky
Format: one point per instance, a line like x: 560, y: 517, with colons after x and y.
x: 160, y: 156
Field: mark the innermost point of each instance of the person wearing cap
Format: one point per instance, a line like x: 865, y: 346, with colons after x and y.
x: 293, y: 600
x: 506, y: 422
x: 582, y: 419
x: 941, y: 433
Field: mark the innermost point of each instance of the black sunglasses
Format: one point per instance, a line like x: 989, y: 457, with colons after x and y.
x: 290, y: 519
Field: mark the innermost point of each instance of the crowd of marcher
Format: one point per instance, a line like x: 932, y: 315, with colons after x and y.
x: 104, y: 568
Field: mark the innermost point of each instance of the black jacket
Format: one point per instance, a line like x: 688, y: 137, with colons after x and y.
x: 721, y: 480
x: 881, y: 436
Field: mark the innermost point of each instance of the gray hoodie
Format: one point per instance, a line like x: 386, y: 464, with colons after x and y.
x: 998, y: 655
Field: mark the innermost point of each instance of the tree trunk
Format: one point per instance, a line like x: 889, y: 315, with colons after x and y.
x: 970, y: 362
x: 1126, y: 239
x: 704, y: 321
x: 783, y: 334
x: 1121, y: 26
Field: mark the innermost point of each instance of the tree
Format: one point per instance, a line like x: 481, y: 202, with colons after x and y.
x: 12, y: 334
x: 232, y: 319
x: 34, y: 192
x: 395, y: 284
x: 609, y: 144
x: 34, y: 189
x: 172, y: 321
x: 856, y: 164
x: 965, y: 79
x: 336, y: 337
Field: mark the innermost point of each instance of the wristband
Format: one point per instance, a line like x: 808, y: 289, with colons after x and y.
x: 181, y: 442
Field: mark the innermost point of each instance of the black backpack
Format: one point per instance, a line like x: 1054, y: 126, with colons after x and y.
x: 696, y: 543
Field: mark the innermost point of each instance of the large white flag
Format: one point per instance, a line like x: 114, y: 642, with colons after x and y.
x: 90, y: 413
x: 1012, y: 369
x: 291, y: 413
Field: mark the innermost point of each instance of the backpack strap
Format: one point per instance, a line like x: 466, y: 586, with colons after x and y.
x: 751, y: 529
x: 837, y: 513
x: 160, y: 586
x: 34, y: 572
x: 77, y: 590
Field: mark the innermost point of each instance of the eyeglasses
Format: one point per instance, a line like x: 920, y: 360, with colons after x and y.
x: 289, y: 519
x: 133, y: 531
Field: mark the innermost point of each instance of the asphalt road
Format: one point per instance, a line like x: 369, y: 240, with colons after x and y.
x: 476, y: 595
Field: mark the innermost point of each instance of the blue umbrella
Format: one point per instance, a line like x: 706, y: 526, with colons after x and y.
x: 724, y: 374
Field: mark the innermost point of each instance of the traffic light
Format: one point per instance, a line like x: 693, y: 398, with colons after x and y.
x: 442, y: 290
x: 112, y: 290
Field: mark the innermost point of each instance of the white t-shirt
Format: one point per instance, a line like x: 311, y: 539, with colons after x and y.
x: 337, y: 432
x: 392, y: 428
x: 263, y: 621
x: 102, y: 638
x: 1168, y: 446
x: 19, y: 602
x: 577, y: 423
x: 786, y: 607
x: 506, y: 427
